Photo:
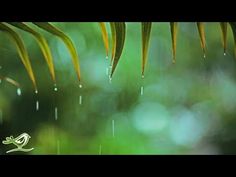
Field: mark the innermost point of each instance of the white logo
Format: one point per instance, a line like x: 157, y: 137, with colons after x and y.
x: 19, y: 141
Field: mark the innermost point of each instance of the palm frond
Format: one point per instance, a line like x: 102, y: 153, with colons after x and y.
x: 42, y: 42
x: 173, y: 29
x: 146, y: 32
x: 105, y: 37
x: 201, y: 31
x: 233, y: 27
x: 12, y: 81
x: 118, y: 33
x: 68, y: 42
x: 224, y: 28
x: 21, y: 50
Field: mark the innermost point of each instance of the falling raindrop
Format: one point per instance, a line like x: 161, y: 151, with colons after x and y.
x: 56, y: 113
x: 36, y: 91
x: 141, y: 90
x: 100, y: 149
x: 107, y: 71
x: 55, y: 88
x: 80, y: 99
x: 204, y: 55
x: 142, y: 87
x: 113, y: 128
x: 18, y: 91
x: 110, y: 67
x: 110, y: 79
x: 224, y: 53
x: 37, y: 105
x: 58, y: 147
x: 1, y: 117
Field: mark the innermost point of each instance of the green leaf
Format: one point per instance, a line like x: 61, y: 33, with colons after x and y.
x: 118, y: 37
x: 21, y: 50
x: 224, y: 26
x: 173, y: 30
x: 201, y: 31
x: 69, y: 44
x: 233, y: 27
x: 146, y: 32
x: 105, y: 36
x: 11, y: 81
x: 113, y: 35
x: 42, y: 44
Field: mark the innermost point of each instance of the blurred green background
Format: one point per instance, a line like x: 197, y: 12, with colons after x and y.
x: 186, y: 108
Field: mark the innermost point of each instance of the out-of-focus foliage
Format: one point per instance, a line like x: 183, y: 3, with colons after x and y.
x: 186, y: 108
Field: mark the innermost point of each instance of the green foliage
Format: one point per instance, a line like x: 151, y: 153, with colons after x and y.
x: 146, y: 32
x: 118, y: 31
x: 21, y: 50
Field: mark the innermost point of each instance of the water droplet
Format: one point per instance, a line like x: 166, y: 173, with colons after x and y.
x: 80, y: 99
x: 204, y: 55
x: 106, y: 57
x: 113, y: 128
x: 56, y: 113
x: 143, y: 76
x: 110, y: 66
x: 107, y: 71
x: 110, y: 79
x: 36, y: 91
x: 1, y: 117
x: 18, y: 91
x: 37, y: 105
x: 173, y: 61
x: 141, y: 90
x: 80, y: 85
x: 55, y: 88
x: 100, y: 149
x: 224, y: 53
x: 58, y: 147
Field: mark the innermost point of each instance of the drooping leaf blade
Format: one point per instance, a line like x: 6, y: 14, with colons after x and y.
x: 173, y: 29
x: 120, y: 33
x: 146, y: 32
x: 42, y: 42
x: 21, y: 51
x: 113, y: 35
x: 67, y: 41
x: 11, y: 81
x: 201, y: 31
x: 224, y: 28
x: 233, y: 27
x: 105, y: 37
